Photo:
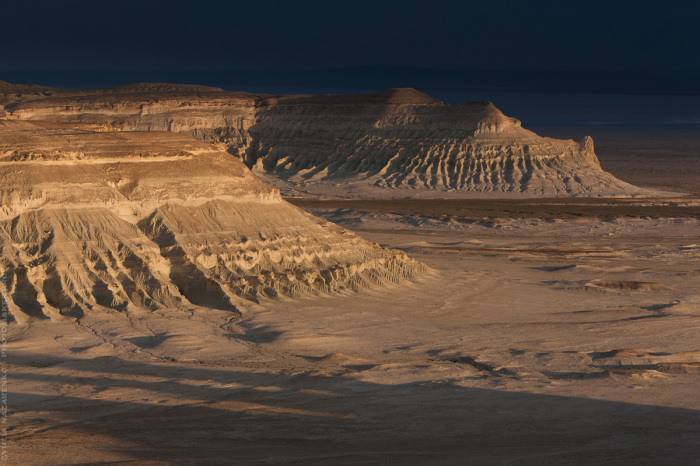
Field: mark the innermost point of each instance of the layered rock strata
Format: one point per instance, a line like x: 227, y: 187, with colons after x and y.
x: 117, y: 220
x: 411, y: 141
x: 399, y: 139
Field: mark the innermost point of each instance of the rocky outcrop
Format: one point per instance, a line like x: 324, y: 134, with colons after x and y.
x: 397, y: 141
x: 205, y: 113
x: 121, y: 220
x: 423, y: 146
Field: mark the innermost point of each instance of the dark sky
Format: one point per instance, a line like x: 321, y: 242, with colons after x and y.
x: 259, y: 34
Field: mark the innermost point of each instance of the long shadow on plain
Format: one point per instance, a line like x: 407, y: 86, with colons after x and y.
x: 205, y: 415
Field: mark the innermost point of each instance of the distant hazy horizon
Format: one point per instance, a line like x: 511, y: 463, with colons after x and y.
x: 543, y: 98
x: 352, y: 78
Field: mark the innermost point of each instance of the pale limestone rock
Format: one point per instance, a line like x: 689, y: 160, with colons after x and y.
x: 117, y: 220
x: 396, y: 141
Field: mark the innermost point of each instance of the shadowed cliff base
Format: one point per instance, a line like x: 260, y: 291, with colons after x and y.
x: 473, y: 210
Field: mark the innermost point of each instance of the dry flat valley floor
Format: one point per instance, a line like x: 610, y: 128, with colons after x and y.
x: 550, y: 331
x: 546, y: 332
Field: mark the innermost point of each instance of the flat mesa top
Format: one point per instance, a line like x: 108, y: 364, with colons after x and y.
x: 23, y: 141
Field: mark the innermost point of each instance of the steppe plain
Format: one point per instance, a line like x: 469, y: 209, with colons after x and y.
x: 546, y: 331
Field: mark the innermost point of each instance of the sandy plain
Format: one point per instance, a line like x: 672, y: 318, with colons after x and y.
x: 546, y: 332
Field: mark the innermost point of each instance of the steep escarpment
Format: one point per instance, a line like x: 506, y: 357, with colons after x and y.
x: 465, y: 148
x: 395, y: 142
x: 121, y: 220
x: 205, y: 113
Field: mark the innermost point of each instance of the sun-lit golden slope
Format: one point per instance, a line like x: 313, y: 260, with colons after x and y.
x: 94, y: 220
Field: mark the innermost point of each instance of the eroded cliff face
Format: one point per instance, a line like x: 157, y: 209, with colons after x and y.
x: 121, y: 220
x: 427, y: 146
x: 398, y: 139
x: 205, y: 113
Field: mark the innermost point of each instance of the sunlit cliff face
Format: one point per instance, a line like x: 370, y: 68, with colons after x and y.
x: 118, y: 220
x: 397, y: 139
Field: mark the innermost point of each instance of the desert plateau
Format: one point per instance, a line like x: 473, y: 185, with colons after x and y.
x: 199, y: 276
